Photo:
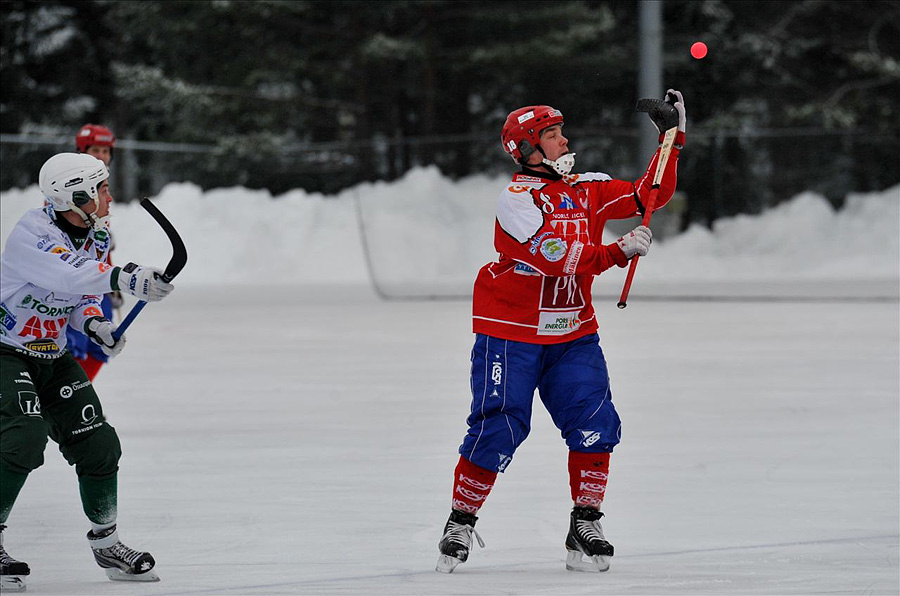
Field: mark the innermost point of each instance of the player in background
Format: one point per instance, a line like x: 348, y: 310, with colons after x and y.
x: 52, y: 273
x: 98, y: 141
x: 536, y: 328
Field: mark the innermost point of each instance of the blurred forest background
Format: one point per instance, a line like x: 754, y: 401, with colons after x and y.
x: 793, y: 95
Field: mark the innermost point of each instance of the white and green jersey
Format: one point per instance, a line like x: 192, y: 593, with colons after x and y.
x: 46, y: 282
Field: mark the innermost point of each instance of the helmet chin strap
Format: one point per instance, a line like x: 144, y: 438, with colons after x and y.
x: 91, y: 220
x: 563, y: 165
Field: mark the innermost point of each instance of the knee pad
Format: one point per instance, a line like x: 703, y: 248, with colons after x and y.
x: 97, y: 454
x: 24, y: 440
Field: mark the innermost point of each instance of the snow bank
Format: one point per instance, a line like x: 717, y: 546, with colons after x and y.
x: 425, y: 229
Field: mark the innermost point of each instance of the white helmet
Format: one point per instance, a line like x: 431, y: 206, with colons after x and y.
x: 71, y: 180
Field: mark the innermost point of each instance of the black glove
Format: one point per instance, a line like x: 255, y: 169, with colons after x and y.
x: 661, y: 112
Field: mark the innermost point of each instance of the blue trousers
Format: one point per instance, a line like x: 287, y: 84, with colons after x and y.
x: 573, y: 384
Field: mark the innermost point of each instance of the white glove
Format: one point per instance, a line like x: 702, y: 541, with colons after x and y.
x: 636, y: 242
x: 144, y: 282
x: 100, y: 331
x: 674, y: 97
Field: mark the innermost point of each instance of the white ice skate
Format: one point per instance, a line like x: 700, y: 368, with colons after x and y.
x: 120, y: 562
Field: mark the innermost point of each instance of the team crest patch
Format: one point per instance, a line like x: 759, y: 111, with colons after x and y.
x: 553, y: 249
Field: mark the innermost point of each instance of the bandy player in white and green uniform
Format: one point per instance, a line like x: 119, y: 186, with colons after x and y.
x: 52, y: 274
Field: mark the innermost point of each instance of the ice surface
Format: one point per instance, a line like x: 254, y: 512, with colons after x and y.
x: 308, y: 448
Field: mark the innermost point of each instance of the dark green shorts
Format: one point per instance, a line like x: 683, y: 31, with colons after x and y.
x: 43, y: 397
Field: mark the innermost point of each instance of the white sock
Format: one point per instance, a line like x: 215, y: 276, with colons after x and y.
x: 98, y: 528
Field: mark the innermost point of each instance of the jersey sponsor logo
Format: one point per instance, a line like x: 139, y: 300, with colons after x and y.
x: 573, y: 258
x: 557, y: 323
x: 32, y: 303
x: 7, y: 320
x: 103, y: 267
x: 42, y: 329
x: 51, y: 297
x: 42, y: 346
x: 30, y: 403
x: 58, y: 250
x: 565, y: 201
x: 504, y: 461
x: 524, y: 178
x: 553, y: 249
x: 536, y: 242
x: 65, y: 256
x: 523, y: 269
x: 571, y: 227
x: 43, y: 241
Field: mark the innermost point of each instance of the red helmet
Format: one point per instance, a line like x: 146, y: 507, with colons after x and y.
x: 94, y: 134
x: 522, y: 132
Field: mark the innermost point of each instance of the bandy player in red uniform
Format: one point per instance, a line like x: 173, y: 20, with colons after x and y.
x: 536, y: 328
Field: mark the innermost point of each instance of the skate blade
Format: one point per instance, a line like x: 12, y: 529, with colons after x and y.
x: 595, y: 564
x: 12, y: 583
x: 120, y: 576
x: 446, y: 564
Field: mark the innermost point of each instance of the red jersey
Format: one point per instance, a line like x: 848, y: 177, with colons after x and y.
x: 549, y: 233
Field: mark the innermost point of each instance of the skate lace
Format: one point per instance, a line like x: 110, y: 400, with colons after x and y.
x: 462, y: 533
x: 123, y: 553
x: 5, y: 558
x: 590, y: 530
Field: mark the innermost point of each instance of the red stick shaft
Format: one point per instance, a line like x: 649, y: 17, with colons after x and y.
x: 664, y: 152
x: 651, y: 203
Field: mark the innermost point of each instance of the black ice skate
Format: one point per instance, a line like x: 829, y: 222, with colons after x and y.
x: 586, y: 538
x: 456, y: 541
x: 12, y: 572
x: 120, y: 562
